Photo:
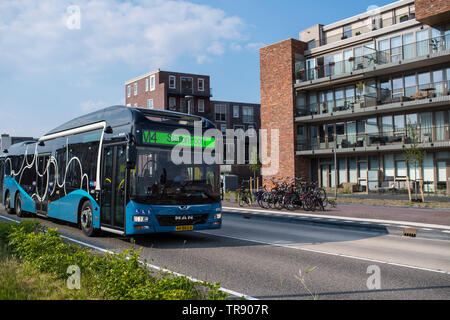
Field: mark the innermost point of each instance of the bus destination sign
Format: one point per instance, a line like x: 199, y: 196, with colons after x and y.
x: 169, y: 139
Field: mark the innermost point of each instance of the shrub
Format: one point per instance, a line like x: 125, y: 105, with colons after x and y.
x: 112, y: 276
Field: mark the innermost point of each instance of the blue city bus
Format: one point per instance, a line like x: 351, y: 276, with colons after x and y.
x: 111, y: 170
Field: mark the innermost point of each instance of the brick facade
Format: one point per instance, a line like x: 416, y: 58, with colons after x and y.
x: 277, y: 63
x: 162, y: 93
x: 433, y: 12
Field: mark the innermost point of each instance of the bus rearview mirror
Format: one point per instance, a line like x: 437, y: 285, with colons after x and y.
x: 108, y: 130
x: 131, y: 156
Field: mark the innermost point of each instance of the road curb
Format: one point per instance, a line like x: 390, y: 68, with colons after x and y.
x: 347, y: 223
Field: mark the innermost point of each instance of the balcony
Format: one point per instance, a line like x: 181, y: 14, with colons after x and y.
x: 417, y: 96
x: 377, y: 58
x: 185, y: 91
x: 376, y: 25
x: 435, y: 136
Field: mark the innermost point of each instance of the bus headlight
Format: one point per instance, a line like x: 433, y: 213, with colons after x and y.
x: 140, y: 219
x: 218, y: 216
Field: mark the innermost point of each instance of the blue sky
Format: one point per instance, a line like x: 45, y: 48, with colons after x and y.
x: 52, y: 71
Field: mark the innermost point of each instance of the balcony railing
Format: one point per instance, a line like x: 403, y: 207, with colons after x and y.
x: 385, y: 96
x: 404, y: 52
x: 383, y: 138
x: 378, y: 24
x: 416, y: 92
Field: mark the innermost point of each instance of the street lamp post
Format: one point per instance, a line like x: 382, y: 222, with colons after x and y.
x: 335, y: 171
x: 189, y: 100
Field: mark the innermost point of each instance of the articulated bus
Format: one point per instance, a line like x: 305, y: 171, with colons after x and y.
x: 112, y: 170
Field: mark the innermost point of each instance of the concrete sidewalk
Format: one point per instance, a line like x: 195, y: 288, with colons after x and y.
x: 429, y: 223
x: 378, y: 212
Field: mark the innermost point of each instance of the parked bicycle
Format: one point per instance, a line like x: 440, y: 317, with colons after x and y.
x: 244, y: 197
x: 292, y: 194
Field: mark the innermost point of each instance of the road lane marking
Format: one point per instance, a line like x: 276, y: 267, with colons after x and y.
x: 307, y: 215
x: 231, y: 292
x: 326, y: 252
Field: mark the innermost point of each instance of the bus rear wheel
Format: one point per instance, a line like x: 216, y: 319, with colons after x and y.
x: 87, y: 219
x: 8, y: 203
x: 18, y: 206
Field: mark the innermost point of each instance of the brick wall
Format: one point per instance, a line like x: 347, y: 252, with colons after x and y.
x: 433, y: 12
x: 277, y: 64
x: 158, y: 95
x: 162, y: 92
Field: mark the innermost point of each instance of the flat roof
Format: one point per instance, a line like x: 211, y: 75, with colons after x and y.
x: 365, y: 15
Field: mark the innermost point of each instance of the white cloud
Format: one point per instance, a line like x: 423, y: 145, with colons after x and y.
x: 34, y: 35
x: 90, y: 106
x: 235, y: 47
x: 254, y: 45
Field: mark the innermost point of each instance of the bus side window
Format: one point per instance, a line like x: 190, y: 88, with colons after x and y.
x: 7, y: 171
x: 2, y: 174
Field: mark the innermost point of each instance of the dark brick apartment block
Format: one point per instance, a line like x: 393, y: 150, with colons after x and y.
x: 191, y: 93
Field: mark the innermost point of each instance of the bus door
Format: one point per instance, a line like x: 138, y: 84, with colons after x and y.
x: 42, y: 185
x: 114, y: 187
x: 2, y: 176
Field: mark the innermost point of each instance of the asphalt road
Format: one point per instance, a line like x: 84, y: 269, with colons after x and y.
x: 261, y: 258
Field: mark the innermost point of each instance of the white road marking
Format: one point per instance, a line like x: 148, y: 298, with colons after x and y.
x: 307, y: 215
x: 325, y: 252
x: 232, y: 292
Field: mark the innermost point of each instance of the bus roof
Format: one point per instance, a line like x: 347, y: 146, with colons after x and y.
x: 121, y: 115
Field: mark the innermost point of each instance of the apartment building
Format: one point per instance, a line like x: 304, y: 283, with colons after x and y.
x: 353, y: 94
x: 181, y: 92
x: 192, y: 93
x: 7, y: 141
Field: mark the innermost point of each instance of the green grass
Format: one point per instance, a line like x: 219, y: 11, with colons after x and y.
x: 34, y: 263
x: 19, y: 281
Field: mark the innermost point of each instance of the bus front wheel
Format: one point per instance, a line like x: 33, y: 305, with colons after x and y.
x: 87, y: 219
x: 18, y: 206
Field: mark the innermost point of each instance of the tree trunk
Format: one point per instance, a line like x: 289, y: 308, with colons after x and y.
x: 409, y: 187
x: 421, y: 184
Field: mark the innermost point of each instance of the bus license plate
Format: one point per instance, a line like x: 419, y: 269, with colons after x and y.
x: 185, y: 228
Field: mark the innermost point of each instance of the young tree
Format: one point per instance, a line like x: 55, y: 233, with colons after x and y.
x: 255, y: 163
x: 414, y: 154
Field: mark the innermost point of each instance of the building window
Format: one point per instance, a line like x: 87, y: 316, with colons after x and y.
x: 152, y: 83
x: 311, y: 44
x: 347, y: 32
x: 172, y: 82
x: 201, y: 105
x: 150, y: 103
x: 247, y: 114
x: 201, y: 84
x: 129, y: 91
x: 172, y: 103
x: 235, y: 111
x: 135, y: 89
x: 220, y: 111
x: 186, y: 85
x: 146, y: 84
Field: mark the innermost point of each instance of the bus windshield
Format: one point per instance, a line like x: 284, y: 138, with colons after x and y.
x: 157, y: 180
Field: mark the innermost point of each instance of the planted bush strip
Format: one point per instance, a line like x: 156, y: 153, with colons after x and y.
x: 110, y: 276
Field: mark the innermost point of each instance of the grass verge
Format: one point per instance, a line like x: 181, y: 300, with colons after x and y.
x: 34, y: 264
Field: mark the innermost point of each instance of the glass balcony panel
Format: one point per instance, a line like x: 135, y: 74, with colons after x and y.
x: 389, y: 51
